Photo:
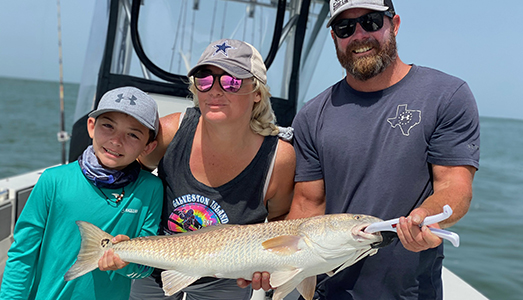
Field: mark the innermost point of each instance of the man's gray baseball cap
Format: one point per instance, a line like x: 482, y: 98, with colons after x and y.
x: 339, y: 6
x: 132, y: 101
x: 238, y: 58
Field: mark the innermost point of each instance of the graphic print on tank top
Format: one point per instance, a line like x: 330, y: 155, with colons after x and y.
x: 192, y: 212
x: 190, y: 205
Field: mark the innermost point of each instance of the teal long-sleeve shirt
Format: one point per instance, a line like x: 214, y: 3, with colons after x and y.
x: 47, y: 239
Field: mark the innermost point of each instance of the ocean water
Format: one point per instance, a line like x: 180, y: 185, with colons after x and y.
x: 29, y: 123
x: 490, y: 256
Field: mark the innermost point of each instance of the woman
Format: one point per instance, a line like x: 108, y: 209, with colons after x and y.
x: 221, y: 161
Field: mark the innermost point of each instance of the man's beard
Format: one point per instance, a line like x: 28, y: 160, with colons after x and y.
x: 368, y: 66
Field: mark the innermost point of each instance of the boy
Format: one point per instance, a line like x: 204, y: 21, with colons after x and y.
x: 100, y: 188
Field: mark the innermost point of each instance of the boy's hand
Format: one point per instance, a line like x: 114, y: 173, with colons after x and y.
x: 259, y: 280
x: 110, y: 260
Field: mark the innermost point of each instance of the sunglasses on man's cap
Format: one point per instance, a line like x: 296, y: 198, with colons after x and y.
x: 370, y: 22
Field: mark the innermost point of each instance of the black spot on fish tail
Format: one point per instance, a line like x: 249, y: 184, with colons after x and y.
x: 105, y: 242
x: 94, y: 243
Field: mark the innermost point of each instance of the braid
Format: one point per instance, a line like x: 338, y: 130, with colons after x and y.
x: 262, y: 118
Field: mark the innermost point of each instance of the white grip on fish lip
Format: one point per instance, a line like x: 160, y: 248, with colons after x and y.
x: 390, y: 225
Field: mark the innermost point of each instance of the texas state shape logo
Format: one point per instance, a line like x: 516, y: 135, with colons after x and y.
x: 405, y: 118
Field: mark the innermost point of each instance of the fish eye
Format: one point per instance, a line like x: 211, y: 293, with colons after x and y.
x: 357, y: 217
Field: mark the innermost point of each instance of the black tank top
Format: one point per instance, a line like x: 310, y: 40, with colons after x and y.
x: 190, y: 205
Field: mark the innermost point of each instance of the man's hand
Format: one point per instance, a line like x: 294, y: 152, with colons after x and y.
x: 259, y: 280
x: 413, y: 237
x: 110, y: 260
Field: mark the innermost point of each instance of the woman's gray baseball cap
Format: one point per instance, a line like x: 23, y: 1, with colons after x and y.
x: 238, y: 58
x: 132, y: 101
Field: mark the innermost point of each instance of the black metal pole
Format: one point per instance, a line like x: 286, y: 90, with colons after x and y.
x: 62, y: 135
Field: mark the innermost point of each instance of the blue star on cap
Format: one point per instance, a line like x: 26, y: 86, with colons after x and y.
x: 223, y: 48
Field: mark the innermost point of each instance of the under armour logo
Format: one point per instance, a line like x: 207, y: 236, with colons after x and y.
x: 222, y: 48
x: 132, y: 99
x: 405, y: 118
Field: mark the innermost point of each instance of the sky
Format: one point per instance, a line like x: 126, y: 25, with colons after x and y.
x: 480, y: 44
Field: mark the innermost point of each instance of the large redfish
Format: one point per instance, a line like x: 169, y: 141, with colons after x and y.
x: 292, y: 251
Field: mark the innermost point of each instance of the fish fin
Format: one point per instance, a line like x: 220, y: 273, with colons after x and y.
x: 283, y: 290
x: 330, y: 273
x: 94, y: 243
x: 307, y: 287
x: 279, y: 278
x: 283, y: 244
x: 173, y: 281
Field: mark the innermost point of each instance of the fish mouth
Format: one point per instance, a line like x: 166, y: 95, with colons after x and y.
x: 360, y: 235
x: 386, y: 236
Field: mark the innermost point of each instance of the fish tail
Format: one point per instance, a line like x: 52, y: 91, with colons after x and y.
x: 94, y: 243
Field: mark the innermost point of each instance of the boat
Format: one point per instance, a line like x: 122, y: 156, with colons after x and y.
x: 151, y: 44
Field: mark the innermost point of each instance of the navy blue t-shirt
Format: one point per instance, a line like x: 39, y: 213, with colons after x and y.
x: 374, y: 151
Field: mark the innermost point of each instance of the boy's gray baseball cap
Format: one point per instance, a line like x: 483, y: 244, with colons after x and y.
x: 239, y: 59
x: 132, y: 101
x: 339, y: 6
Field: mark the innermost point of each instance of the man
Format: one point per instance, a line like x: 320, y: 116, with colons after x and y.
x: 389, y: 140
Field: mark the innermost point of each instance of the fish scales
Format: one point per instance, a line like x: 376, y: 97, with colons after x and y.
x: 293, y: 251
x: 227, y: 245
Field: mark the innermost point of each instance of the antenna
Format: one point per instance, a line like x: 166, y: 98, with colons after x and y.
x: 62, y: 135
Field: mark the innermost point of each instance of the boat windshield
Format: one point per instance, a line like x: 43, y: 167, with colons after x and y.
x: 170, y: 35
x: 173, y: 34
